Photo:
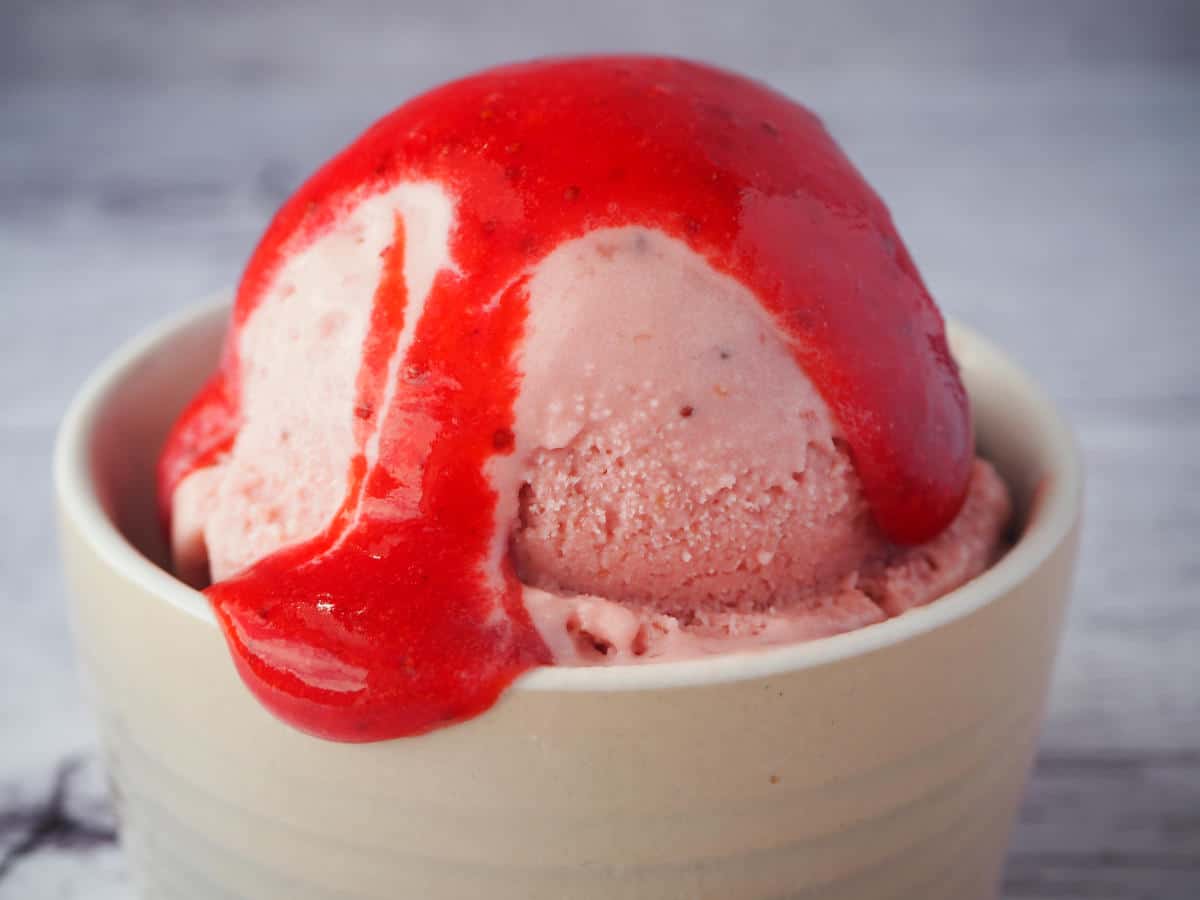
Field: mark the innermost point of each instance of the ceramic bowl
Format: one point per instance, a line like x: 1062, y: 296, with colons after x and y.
x: 884, y: 763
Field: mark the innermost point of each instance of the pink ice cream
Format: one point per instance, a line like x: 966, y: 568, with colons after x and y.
x: 578, y: 361
x: 678, y: 486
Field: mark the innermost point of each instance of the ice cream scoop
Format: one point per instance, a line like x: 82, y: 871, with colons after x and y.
x: 576, y: 360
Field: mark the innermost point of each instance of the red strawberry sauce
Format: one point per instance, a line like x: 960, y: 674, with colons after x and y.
x: 377, y: 629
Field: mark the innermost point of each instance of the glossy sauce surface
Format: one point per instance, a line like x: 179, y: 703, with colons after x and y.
x: 378, y: 628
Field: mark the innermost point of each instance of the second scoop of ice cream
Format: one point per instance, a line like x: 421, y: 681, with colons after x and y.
x: 679, y: 464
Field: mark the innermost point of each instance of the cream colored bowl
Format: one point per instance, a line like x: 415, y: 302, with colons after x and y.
x: 888, y: 762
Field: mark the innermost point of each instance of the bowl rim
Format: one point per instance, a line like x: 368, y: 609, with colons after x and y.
x: 1059, y: 504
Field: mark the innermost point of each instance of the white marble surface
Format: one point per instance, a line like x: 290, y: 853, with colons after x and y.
x: 1041, y: 160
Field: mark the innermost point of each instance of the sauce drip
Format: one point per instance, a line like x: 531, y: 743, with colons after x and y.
x: 388, y: 625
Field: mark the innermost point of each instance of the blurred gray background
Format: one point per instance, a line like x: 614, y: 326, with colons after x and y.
x: 1040, y: 159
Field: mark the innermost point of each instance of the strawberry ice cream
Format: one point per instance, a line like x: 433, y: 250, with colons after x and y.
x: 583, y: 361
